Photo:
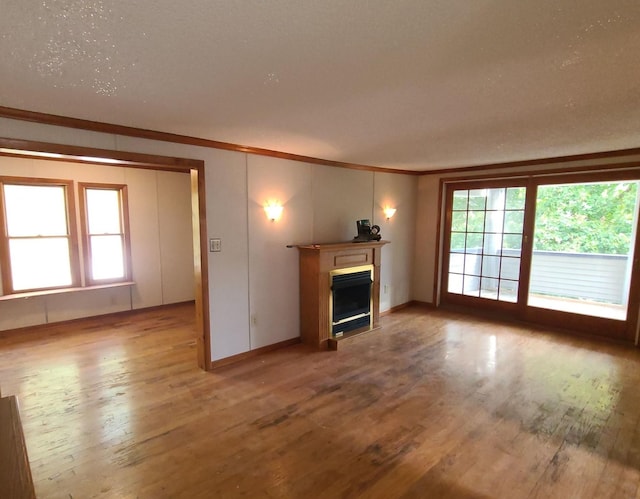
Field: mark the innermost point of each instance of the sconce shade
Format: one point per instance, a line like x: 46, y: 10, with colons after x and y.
x: 389, y: 212
x: 273, y: 211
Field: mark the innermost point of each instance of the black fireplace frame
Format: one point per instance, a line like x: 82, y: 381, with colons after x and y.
x: 358, y: 281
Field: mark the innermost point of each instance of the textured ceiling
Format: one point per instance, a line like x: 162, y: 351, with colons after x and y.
x: 414, y: 84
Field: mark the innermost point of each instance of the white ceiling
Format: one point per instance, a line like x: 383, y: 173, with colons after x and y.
x: 409, y: 84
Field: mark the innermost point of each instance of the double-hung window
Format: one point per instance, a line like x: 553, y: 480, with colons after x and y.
x: 105, y: 233
x: 39, y: 242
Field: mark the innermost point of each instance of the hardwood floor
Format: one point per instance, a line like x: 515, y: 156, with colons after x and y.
x: 435, y: 404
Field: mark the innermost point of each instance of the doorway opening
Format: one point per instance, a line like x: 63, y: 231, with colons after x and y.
x: 195, y: 168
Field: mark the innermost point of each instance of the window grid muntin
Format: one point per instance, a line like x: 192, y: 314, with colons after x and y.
x: 505, y: 287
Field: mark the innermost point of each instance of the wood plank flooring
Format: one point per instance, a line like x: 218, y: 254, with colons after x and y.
x: 435, y: 404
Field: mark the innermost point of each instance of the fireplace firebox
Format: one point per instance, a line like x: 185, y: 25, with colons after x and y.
x: 351, y: 300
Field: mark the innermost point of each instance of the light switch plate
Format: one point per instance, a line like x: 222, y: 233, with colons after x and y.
x: 215, y: 245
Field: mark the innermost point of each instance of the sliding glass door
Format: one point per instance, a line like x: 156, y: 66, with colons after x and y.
x: 556, y: 250
x: 583, y: 248
x: 485, y: 243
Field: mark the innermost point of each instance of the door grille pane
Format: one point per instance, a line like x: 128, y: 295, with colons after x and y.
x: 485, y: 242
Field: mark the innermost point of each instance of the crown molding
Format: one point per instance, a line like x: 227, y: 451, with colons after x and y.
x: 536, y: 162
x: 96, y: 126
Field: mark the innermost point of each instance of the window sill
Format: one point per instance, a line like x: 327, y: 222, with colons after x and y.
x: 33, y: 294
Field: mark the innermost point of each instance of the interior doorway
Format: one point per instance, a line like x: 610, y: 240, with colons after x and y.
x: 195, y: 168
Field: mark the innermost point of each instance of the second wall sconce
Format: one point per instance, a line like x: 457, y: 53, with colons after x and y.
x: 273, y: 211
x: 389, y: 212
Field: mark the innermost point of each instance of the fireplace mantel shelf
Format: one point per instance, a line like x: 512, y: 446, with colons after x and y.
x: 342, y: 245
x: 317, y: 261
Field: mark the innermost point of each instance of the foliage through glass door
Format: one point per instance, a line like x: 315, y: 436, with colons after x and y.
x: 583, y: 248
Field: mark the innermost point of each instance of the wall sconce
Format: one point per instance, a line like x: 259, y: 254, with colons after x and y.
x: 389, y: 212
x: 273, y: 211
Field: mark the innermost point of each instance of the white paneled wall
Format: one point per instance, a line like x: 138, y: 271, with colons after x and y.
x: 253, y: 281
x: 226, y: 179
x: 274, y: 296
x: 145, y: 226
x: 175, y: 236
x: 396, y: 191
x: 340, y: 197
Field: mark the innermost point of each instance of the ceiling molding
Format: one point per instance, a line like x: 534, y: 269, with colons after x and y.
x: 537, y: 162
x: 96, y: 126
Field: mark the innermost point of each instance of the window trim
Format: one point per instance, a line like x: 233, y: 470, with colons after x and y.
x: 86, y: 237
x: 72, y: 233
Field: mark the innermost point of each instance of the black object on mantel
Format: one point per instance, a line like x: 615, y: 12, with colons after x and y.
x: 367, y: 232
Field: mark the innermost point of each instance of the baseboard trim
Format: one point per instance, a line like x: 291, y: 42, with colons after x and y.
x: 395, y: 309
x: 412, y: 303
x: 254, y: 353
x: 423, y: 304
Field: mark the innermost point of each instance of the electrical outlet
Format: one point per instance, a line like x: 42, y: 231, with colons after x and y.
x: 215, y: 245
x: 386, y: 289
x: 254, y: 320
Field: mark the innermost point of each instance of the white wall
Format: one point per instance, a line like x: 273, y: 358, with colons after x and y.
x: 340, y: 197
x: 161, y: 244
x: 273, y: 287
x: 175, y: 235
x: 256, y: 275
x: 396, y: 191
x: 226, y: 197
